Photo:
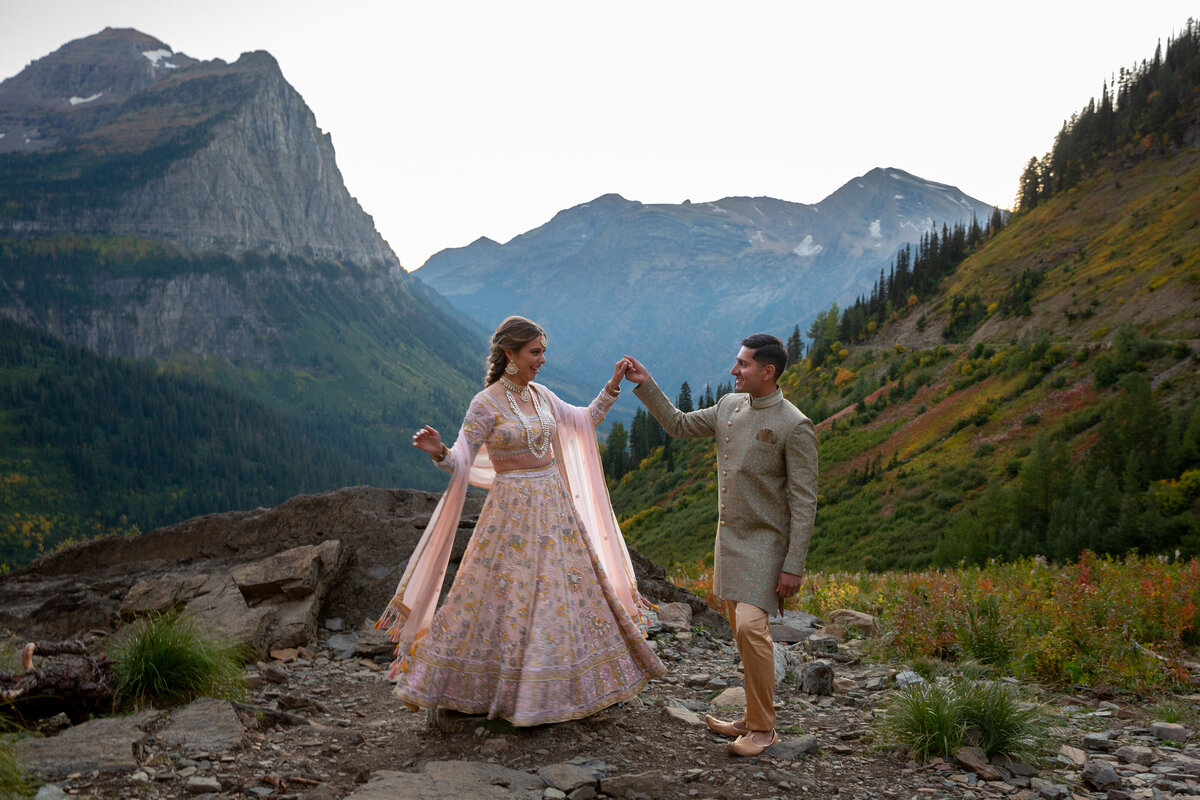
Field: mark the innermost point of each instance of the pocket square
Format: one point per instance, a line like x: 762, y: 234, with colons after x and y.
x: 766, y: 435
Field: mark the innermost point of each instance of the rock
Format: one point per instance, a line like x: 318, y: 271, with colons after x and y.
x: 1097, y: 741
x: 566, y: 777
x: 285, y: 655
x: 855, y: 621
x: 550, y: 793
x: 816, y: 677
x: 582, y: 793
x: 275, y: 673
x: 733, y: 696
x: 48, y: 791
x: 792, y: 748
x: 1171, y: 731
x: 373, y: 643
x: 343, y: 644
x: 794, y: 626
x: 784, y: 663
x: 1118, y: 794
x: 1100, y: 775
x: 684, y: 715
x: 907, y: 678
x: 461, y: 780
x: 101, y: 745
x: 494, y: 746
x: 821, y: 643
x: 974, y: 759
x: 675, y: 616
x: 844, y: 685
x: 201, y: 784
x: 334, y: 624
x: 1048, y: 790
x: 1072, y: 756
x: 839, y: 634
x: 204, y: 725
x: 651, y: 784
x: 1134, y: 754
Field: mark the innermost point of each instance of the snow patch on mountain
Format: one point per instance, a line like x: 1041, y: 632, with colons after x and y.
x: 155, y: 56
x: 76, y: 101
x: 807, y: 247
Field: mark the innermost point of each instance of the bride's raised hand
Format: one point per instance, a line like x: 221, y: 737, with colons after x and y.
x: 428, y: 440
x: 618, y: 374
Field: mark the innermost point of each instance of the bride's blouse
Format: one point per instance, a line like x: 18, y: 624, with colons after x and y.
x: 489, y: 421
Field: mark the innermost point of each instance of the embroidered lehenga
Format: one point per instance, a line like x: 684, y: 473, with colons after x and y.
x: 542, y: 621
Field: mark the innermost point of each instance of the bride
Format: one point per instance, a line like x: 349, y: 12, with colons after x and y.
x: 542, y: 622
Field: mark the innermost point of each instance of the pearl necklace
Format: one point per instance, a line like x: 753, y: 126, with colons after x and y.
x: 527, y: 422
x: 512, y: 387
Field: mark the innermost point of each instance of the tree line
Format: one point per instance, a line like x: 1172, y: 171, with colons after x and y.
x: 1147, y: 108
x: 625, y: 448
x: 150, y: 449
x: 1134, y: 489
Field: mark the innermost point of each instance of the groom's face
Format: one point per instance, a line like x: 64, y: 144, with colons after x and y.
x: 748, y: 374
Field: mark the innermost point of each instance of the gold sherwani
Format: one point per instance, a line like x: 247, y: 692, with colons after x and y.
x: 767, y: 487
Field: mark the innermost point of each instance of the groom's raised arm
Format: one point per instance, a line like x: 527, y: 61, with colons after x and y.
x: 680, y: 424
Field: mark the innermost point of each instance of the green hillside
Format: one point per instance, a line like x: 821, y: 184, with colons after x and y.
x: 92, y: 446
x: 1026, y: 390
x: 1002, y: 416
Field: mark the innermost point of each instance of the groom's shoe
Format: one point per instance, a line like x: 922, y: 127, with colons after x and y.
x: 747, y: 746
x: 733, y: 729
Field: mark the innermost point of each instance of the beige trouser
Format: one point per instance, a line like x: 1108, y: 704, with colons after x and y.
x: 753, y: 634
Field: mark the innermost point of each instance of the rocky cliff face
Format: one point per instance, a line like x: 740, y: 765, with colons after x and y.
x: 231, y: 157
x: 681, y: 285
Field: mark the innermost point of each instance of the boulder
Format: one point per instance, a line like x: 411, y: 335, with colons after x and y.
x: 855, y: 621
x: 816, y: 677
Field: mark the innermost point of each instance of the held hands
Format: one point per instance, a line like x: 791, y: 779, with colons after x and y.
x: 788, y: 585
x: 634, y: 371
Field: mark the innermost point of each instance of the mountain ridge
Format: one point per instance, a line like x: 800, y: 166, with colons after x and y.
x: 641, y: 275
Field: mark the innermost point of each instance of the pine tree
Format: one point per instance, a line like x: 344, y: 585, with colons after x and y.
x: 684, y: 402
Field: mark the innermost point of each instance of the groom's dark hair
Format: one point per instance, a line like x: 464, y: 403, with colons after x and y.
x: 768, y: 349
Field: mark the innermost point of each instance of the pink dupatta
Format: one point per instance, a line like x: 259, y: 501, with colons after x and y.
x: 410, y: 611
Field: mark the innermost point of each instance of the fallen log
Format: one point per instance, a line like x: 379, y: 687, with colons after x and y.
x: 71, y: 683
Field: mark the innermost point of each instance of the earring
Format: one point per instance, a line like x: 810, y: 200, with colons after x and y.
x: 511, y: 368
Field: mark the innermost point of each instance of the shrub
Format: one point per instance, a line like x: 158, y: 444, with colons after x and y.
x: 935, y: 719
x: 926, y: 718
x: 167, y: 660
x: 1006, y: 725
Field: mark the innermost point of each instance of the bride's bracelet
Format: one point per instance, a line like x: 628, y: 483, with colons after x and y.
x: 611, y: 391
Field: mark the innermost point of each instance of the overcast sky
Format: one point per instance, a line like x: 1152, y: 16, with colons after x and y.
x: 454, y: 120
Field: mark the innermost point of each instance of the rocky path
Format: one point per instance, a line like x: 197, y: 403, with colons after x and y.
x: 321, y: 724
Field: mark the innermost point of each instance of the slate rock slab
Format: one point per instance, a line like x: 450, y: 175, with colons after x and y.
x: 206, y: 725
x: 104, y: 745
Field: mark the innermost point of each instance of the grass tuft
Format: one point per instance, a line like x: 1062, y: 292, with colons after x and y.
x: 926, y: 718
x: 167, y: 660
x: 935, y: 719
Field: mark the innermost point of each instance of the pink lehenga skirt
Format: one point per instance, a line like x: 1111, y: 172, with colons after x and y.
x: 531, y: 630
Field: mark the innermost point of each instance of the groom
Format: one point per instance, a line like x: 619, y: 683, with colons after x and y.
x: 767, y: 479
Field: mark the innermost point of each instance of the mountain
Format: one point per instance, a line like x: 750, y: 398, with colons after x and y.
x: 117, y: 134
x: 154, y: 206
x: 679, y: 285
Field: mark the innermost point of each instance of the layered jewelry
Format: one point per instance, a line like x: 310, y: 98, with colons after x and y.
x: 538, y: 441
x: 523, y: 391
x: 510, y: 368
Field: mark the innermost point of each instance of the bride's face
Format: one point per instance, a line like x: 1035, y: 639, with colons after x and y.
x: 529, y: 359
